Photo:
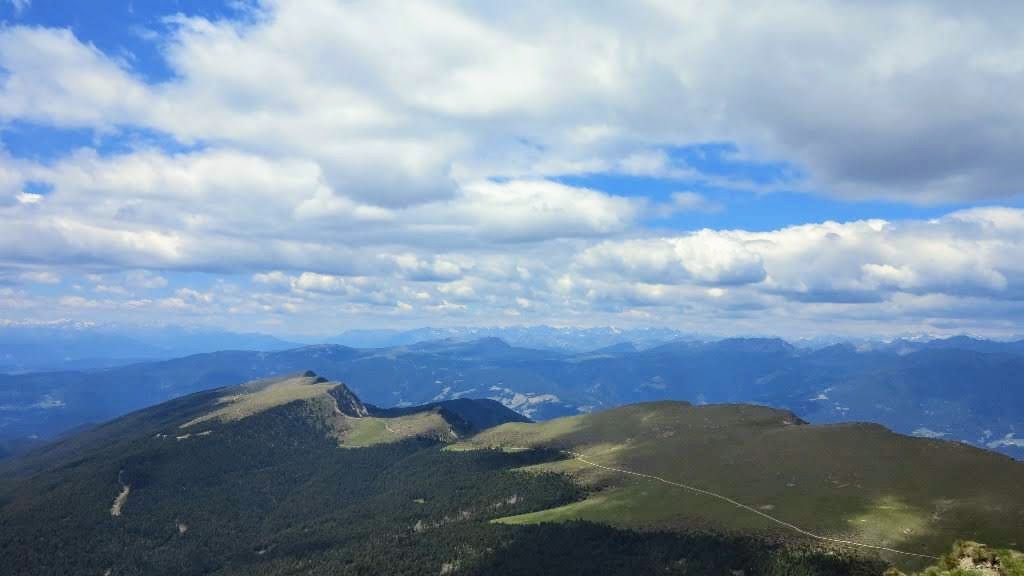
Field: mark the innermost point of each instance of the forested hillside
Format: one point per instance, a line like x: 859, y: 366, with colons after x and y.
x: 260, y: 479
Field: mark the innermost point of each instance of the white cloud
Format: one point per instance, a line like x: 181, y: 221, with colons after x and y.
x: 966, y: 253
x: 312, y: 282
x: 208, y: 189
x: 646, y: 163
x: 911, y: 104
x: 54, y: 78
x: 20, y: 5
x: 525, y: 210
x: 217, y: 209
x: 274, y: 278
x: 415, y: 268
x: 40, y: 277
x: 704, y: 257
x: 28, y: 198
x: 691, y: 201
x: 928, y: 433
x: 145, y: 279
x: 420, y: 173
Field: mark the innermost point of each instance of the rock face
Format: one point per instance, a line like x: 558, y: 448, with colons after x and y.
x: 348, y: 403
x: 980, y: 559
x: 974, y: 559
x: 334, y: 409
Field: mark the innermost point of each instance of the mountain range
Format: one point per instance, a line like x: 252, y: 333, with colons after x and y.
x: 69, y: 345
x: 960, y: 389
x: 84, y: 345
x: 567, y: 339
x: 296, y: 474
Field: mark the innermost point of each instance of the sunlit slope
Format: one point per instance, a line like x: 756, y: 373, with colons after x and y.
x: 330, y: 408
x: 335, y: 409
x: 330, y: 405
x: 856, y: 481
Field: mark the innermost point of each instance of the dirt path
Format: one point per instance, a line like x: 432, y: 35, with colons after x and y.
x: 115, y: 508
x: 793, y: 527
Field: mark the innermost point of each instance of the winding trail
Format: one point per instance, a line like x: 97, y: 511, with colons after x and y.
x: 793, y: 527
x: 118, y: 505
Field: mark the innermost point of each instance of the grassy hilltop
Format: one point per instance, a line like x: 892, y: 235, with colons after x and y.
x: 851, y: 481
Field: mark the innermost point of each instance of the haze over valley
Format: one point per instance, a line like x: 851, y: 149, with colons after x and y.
x: 961, y: 389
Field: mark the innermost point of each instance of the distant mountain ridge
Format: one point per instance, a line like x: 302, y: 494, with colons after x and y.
x: 936, y: 389
x: 565, y: 339
x: 84, y: 346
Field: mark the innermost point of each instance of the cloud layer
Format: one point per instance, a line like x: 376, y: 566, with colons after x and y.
x: 320, y: 160
x: 394, y: 102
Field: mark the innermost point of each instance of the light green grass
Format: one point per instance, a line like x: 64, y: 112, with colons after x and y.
x: 363, y: 432
x: 261, y: 396
x: 858, y: 482
x: 888, y: 521
x: 518, y: 435
x: 370, y: 431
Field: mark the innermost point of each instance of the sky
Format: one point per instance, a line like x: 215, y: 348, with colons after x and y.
x: 309, y: 166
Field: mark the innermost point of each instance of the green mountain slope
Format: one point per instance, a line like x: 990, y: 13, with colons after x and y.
x: 857, y: 482
x: 296, y: 475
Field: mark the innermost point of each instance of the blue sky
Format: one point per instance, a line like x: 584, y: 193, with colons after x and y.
x: 311, y: 166
x: 121, y: 29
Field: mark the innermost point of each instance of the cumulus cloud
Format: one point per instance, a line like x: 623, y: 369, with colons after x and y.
x: 953, y: 273
x: 376, y: 158
x: 231, y: 211
x: 415, y: 268
x: 54, y: 78
x: 705, y: 257
x: 922, y: 109
x: 145, y: 279
x: 525, y: 210
x: 966, y: 253
x: 40, y: 277
x: 210, y: 189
